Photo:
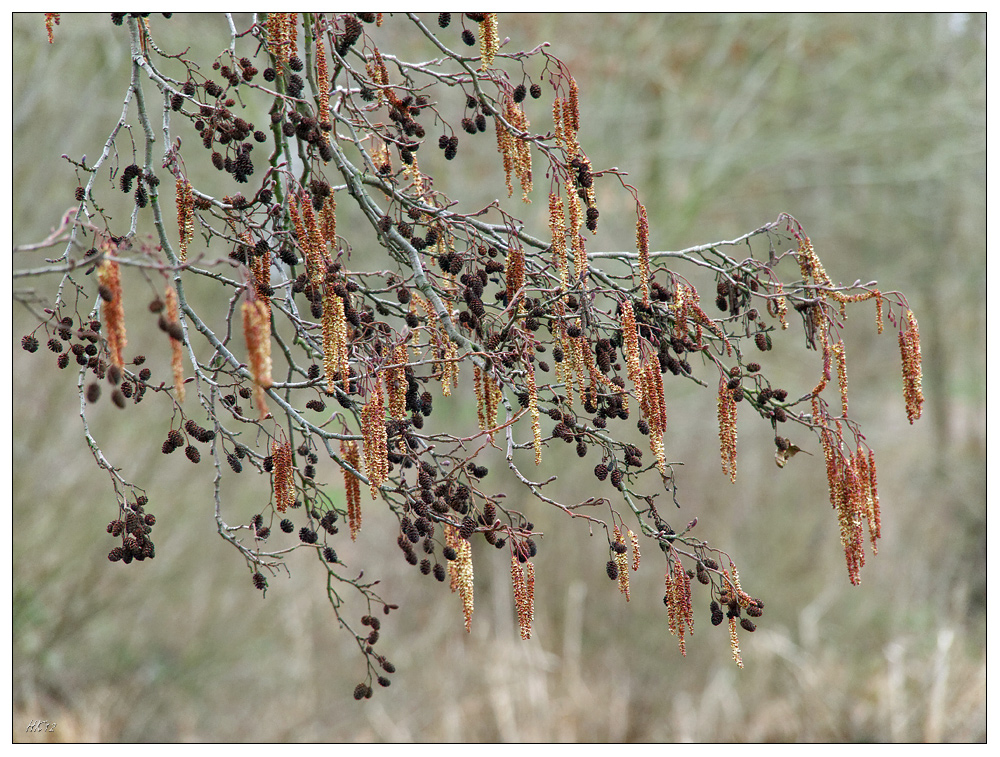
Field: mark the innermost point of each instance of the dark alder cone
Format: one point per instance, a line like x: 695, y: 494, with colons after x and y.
x: 612, y: 568
x: 748, y: 625
x: 118, y: 397
x: 468, y: 37
x: 616, y: 478
x: 536, y: 91
x: 307, y: 535
x: 192, y: 453
x: 443, y: 20
x: 287, y: 526
x: 30, y: 343
x: 259, y: 581
x: 717, y: 616
x: 329, y: 555
x: 601, y: 471
x: 520, y: 92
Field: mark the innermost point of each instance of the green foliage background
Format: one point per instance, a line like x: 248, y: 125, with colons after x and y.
x: 870, y: 130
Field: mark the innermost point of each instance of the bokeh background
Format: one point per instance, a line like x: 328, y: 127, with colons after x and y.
x: 869, y: 129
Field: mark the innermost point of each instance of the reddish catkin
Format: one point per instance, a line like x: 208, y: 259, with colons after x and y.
x: 323, y: 80
x: 282, y: 475
x: 352, y: 486
x: 523, y: 581
x: 642, y: 244
x: 51, y: 19
x: 113, y: 310
x: 257, y: 332
x: 176, y: 351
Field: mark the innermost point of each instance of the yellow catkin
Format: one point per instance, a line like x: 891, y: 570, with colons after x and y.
x: 376, y: 440
x: 621, y: 561
x: 176, y: 351
x: 630, y: 335
x: 489, y: 43
x: 536, y: 426
x: 352, y: 486
x: 577, y: 244
x: 395, y: 383
x: 840, y: 356
x: 461, y: 572
x: 734, y: 643
x: 335, y: 345
x: 185, y: 216
x: 557, y: 227
x: 727, y: 430
x: 113, y: 309
x: 634, y: 540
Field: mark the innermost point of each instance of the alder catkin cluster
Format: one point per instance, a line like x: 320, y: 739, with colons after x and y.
x: 308, y: 358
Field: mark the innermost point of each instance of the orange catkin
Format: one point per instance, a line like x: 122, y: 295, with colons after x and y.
x: 110, y: 280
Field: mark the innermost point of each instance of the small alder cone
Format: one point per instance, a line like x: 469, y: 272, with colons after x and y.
x: 257, y: 331
x: 109, y: 278
x: 284, y: 482
x: 909, y: 349
x: 352, y: 487
x: 176, y: 351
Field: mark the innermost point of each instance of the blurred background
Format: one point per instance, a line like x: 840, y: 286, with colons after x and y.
x: 869, y: 129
